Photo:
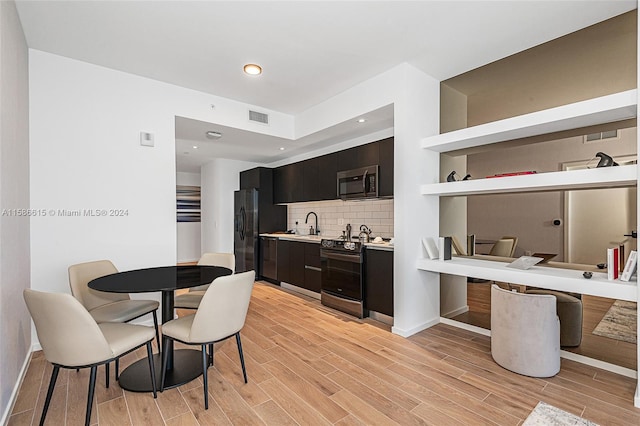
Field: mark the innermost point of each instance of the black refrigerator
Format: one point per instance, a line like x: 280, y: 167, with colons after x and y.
x: 255, y: 214
x: 245, y: 236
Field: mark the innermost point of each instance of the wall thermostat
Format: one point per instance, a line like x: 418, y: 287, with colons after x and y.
x: 146, y: 139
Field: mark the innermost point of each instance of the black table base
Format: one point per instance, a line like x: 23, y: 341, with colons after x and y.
x: 187, y: 365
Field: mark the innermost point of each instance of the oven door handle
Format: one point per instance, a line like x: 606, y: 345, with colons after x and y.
x: 352, y: 258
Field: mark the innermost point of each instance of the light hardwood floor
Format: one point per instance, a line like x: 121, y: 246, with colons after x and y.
x: 310, y: 365
x: 593, y: 310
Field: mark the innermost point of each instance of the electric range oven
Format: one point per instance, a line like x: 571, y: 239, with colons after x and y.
x: 342, y: 284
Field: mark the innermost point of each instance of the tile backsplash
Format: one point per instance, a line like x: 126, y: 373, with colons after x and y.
x: 334, y: 215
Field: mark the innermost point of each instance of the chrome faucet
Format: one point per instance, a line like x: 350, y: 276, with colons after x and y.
x: 312, y: 231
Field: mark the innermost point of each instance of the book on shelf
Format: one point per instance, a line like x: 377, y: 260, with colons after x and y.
x: 458, y: 248
x: 445, y: 248
x: 471, y: 244
x: 612, y: 263
x: 630, y: 266
x: 527, y: 172
x: 430, y: 248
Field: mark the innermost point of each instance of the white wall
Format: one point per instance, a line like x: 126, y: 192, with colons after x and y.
x: 188, y: 233
x: 15, y: 323
x: 220, y: 178
x: 85, y: 154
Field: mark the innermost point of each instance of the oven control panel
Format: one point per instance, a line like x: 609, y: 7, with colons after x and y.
x: 342, y: 245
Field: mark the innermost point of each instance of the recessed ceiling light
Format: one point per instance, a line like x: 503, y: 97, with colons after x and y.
x: 195, y: 147
x: 213, y: 135
x: 362, y: 120
x: 282, y: 148
x: 253, y: 69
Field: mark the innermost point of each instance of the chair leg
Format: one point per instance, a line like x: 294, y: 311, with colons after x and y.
x: 165, y: 348
x: 211, y: 354
x: 92, y: 388
x: 244, y: 371
x: 106, y: 374
x: 155, y: 324
x: 117, y: 368
x: 152, y: 368
x: 52, y: 385
x: 205, y: 364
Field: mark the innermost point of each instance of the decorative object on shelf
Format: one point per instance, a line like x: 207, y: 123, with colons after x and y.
x: 452, y: 177
x: 587, y: 274
x: 526, y: 172
x: 612, y: 262
x: 605, y: 160
x: 630, y: 266
x: 445, y: 248
x: 524, y: 262
x: 430, y: 248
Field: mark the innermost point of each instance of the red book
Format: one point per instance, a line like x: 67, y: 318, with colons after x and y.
x: 528, y: 172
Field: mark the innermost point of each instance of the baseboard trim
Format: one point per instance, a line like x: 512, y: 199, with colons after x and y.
x: 465, y: 326
x: 410, y: 332
x: 14, y: 394
x: 623, y: 371
x: 300, y: 290
x: 456, y: 312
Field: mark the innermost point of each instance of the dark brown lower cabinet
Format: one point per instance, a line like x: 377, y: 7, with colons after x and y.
x: 299, y: 264
x: 378, y: 284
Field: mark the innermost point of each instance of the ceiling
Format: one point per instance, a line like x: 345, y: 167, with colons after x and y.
x: 309, y: 50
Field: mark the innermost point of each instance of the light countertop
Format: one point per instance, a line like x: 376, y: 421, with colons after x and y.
x: 317, y: 238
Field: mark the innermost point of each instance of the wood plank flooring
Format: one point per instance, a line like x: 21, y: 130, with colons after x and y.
x: 310, y: 365
x: 593, y: 310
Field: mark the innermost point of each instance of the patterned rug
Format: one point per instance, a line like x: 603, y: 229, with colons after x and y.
x: 548, y: 415
x: 619, y: 322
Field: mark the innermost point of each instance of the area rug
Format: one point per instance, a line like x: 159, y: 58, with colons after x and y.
x: 548, y: 415
x: 619, y: 322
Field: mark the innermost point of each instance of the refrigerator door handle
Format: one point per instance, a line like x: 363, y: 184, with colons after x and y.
x: 243, y: 221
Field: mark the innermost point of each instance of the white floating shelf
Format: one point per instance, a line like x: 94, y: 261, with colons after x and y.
x: 568, y: 280
x: 604, y: 177
x: 605, y: 109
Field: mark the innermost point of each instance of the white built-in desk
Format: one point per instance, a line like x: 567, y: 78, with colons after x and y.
x: 547, y: 277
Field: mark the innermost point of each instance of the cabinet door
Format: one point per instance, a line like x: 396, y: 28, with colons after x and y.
x: 297, y: 263
x: 312, y: 273
x: 385, y: 178
x: 284, y: 268
x: 310, y: 178
x: 327, y: 177
x: 379, y: 281
x: 359, y: 156
x: 287, y: 183
x: 250, y: 179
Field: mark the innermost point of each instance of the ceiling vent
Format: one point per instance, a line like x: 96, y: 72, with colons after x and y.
x: 258, y: 117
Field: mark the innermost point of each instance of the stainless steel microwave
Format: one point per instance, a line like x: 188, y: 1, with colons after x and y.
x: 358, y: 183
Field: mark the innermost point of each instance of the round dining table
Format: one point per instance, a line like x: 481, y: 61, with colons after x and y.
x: 183, y: 365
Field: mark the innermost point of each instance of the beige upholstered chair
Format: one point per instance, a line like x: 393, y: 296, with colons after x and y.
x: 191, y: 299
x: 221, y: 315
x: 104, y: 306
x: 525, y: 332
x: 504, y: 247
x: 71, y: 338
